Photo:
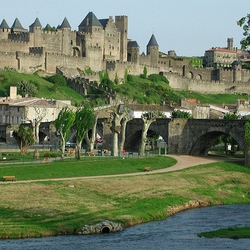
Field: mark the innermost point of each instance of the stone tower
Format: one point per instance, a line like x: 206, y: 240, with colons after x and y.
x: 133, y: 52
x: 122, y: 26
x: 35, y: 30
x: 4, y: 30
x: 66, y: 37
x: 230, y: 42
x: 93, y: 35
x: 236, y: 65
x: 153, y: 51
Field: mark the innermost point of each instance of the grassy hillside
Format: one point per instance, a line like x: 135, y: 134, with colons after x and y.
x: 45, y: 89
x: 146, y: 91
x: 213, y: 98
x: 137, y: 89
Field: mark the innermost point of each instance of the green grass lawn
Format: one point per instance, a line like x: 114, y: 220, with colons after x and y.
x: 35, y: 209
x: 88, y: 166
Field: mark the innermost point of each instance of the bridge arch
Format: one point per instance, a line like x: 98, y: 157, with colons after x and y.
x: 134, y: 132
x: 202, y: 145
x: 205, y: 138
x: 196, y: 136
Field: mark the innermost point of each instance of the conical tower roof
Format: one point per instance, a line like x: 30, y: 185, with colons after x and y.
x: 65, y: 24
x: 4, y: 25
x: 152, y: 42
x: 36, y: 23
x: 17, y: 24
x: 133, y: 44
x: 90, y: 20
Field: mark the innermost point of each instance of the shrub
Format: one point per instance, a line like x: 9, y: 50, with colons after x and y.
x: 158, y: 78
x: 52, y: 154
x: 57, y: 79
x: 25, y: 88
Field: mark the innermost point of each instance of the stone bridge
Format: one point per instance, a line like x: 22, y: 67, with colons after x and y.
x: 183, y: 136
x: 196, y: 136
x: 187, y: 136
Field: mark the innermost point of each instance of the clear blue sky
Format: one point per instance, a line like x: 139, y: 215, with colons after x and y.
x: 187, y: 26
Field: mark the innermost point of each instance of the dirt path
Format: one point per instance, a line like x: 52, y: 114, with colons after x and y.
x: 183, y: 161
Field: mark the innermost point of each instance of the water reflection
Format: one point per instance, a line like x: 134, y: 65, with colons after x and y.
x: 176, y: 232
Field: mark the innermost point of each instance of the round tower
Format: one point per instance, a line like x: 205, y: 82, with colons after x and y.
x: 236, y: 65
x: 4, y: 30
x: 66, y: 38
x: 133, y: 52
x: 153, y: 51
x: 35, y: 30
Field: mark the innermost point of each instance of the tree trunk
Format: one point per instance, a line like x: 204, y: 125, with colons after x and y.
x: 115, y: 144
x: 63, y: 147
x: 116, y: 129
x: 37, y: 131
x: 78, y: 150
x: 147, y: 119
x: 123, y: 132
x: 146, y: 126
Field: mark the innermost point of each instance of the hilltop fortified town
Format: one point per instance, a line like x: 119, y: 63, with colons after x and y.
x: 103, y: 45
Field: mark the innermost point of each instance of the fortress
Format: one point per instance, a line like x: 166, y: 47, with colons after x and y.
x: 103, y: 45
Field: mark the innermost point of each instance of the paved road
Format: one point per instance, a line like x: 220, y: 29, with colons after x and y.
x: 183, y: 161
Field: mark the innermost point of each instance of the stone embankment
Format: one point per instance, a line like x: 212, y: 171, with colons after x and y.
x: 103, y: 227
x: 189, y: 205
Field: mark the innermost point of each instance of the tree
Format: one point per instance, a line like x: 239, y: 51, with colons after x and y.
x: 63, y: 124
x: 126, y: 76
x: 244, y: 22
x: 40, y: 113
x: 24, y: 138
x: 84, y: 120
x: 227, y: 139
x: 124, y: 122
x: 145, y: 72
x: 247, y: 144
x: 148, y: 119
x: 181, y: 114
x: 116, y: 80
x: 117, y: 115
x: 25, y: 88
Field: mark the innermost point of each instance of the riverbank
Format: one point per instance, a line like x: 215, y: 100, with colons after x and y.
x: 231, y: 232
x: 46, y: 208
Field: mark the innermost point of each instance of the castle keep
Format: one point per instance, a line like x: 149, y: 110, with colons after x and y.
x: 103, y: 44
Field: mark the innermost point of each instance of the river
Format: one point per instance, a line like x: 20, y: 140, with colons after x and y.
x: 176, y: 232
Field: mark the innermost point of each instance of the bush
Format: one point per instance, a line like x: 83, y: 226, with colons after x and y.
x: 181, y: 114
x: 57, y: 79
x: 26, y: 88
x: 157, y: 78
x: 52, y: 154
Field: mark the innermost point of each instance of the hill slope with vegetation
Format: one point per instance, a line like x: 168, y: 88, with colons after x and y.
x: 153, y: 89
x: 42, y: 86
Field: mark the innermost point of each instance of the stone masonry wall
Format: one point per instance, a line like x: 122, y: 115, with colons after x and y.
x: 177, y: 135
